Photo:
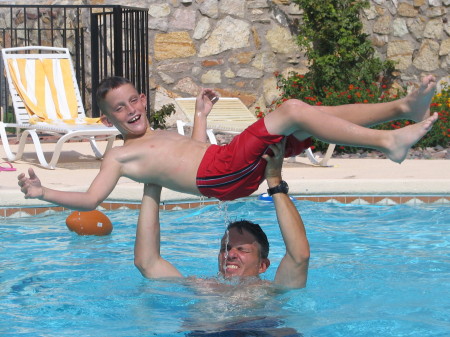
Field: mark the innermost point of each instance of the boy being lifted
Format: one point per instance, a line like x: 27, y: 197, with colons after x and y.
x: 235, y: 170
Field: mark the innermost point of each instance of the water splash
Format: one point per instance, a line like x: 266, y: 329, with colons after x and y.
x: 223, y: 210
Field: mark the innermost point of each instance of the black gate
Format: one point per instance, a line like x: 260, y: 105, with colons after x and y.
x: 103, y: 41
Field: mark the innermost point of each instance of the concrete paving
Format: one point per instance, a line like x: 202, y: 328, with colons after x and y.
x: 78, y: 167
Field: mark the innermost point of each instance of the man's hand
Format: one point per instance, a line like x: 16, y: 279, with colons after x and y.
x: 31, y: 186
x: 274, y: 163
x: 205, y: 101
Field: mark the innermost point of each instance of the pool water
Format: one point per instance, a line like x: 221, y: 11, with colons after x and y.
x: 374, y: 271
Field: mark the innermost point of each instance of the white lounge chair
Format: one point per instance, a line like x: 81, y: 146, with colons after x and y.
x: 230, y: 115
x: 46, y: 100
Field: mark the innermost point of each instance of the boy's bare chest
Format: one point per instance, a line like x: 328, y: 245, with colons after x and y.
x: 151, y: 157
x: 142, y: 156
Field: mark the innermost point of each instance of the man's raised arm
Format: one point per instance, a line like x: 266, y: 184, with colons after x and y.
x: 293, y: 269
x: 147, y: 256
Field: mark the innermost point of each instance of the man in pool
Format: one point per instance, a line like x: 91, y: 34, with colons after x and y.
x: 235, y: 170
x: 244, y: 247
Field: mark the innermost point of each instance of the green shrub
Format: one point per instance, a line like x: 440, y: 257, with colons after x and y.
x: 439, y: 135
x: 297, y: 86
x: 339, y: 52
x: 158, y: 118
x: 344, y: 70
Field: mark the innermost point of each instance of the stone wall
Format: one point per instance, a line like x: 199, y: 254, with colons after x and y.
x: 235, y: 46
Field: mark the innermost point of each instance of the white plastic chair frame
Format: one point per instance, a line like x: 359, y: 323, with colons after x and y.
x: 63, y: 131
x: 230, y: 115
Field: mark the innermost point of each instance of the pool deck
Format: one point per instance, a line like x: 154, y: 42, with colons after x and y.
x: 348, y: 180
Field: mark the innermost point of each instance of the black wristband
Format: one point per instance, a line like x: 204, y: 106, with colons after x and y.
x: 283, y: 187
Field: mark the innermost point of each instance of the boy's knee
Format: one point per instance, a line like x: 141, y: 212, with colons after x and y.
x: 294, y: 107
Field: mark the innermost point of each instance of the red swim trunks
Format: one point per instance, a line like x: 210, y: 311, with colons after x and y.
x: 236, y: 170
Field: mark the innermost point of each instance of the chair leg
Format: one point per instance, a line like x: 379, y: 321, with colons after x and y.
x: 324, y: 161
x: 312, y: 158
x: 328, y: 155
x: 37, y: 144
x: 99, y: 154
x: 40, y: 152
x: 5, y: 142
x: 211, y: 136
x: 110, y: 144
x: 22, y: 141
x: 180, y: 127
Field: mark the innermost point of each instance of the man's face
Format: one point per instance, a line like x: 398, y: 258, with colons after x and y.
x: 124, y: 108
x: 240, y: 255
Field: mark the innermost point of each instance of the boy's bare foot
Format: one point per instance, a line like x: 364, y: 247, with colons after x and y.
x: 417, y: 104
x: 404, y: 138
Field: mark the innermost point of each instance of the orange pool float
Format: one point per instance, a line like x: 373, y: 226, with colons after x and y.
x: 89, y: 223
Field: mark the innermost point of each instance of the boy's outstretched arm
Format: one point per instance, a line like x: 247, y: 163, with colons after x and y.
x: 100, y: 188
x: 147, y: 256
x: 293, y: 269
x: 203, y: 105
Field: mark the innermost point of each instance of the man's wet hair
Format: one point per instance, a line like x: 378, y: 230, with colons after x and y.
x: 108, y: 84
x: 256, y: 231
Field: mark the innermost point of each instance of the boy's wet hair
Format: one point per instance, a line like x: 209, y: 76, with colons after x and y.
x: 106, y: 85
x: 256, y: 231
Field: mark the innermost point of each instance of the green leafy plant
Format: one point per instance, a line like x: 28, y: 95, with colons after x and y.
x: 158, y: 118
x: 338, y: 50
x: 299, y: 87
x: 344, y: 70
x: 440, y: 134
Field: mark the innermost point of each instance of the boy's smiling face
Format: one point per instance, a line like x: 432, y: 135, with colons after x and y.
x: 124, y: 108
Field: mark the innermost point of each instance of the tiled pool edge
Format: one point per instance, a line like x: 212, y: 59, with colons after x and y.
x: 22, y: 211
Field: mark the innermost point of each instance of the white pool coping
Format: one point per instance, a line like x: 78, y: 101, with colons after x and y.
x: 77, y: 168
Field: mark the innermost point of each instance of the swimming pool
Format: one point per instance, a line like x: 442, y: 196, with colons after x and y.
x: 374, y: 271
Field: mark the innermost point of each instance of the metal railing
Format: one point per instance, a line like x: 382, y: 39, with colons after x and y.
x: 103, y: 41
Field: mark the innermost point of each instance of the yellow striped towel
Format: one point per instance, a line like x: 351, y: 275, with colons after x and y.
x: 47, y: 90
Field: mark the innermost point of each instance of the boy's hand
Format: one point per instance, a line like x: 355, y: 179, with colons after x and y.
x: 31, y: 186
x: 274, y: 163
x: 205, y: 101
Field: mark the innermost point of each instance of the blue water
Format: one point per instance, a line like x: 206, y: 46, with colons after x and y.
x: 374, y: 271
